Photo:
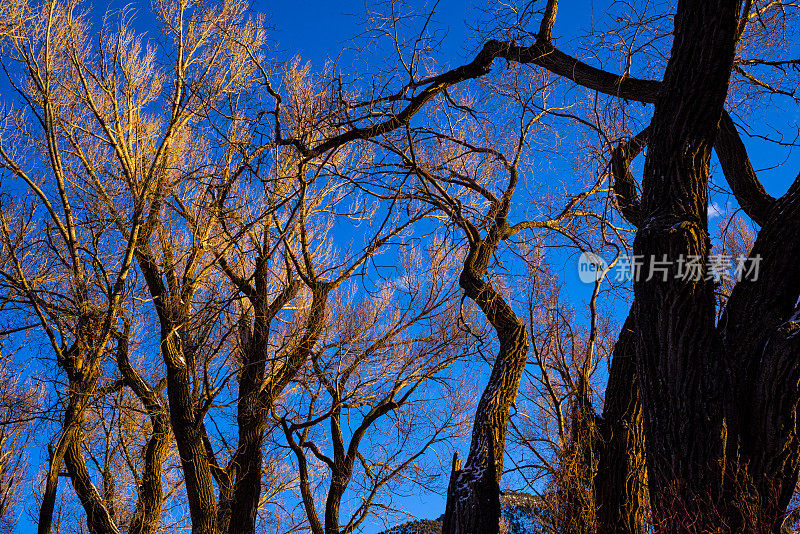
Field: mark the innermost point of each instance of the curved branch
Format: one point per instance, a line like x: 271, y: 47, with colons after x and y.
x: 541, y: 53
x: 624, y: 185
x: 732, y: 154
x: 548, y: 20
x: 547, y: 56
x: 739, y: 173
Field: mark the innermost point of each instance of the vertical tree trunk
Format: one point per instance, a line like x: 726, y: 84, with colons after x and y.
x: 759, y: 331
x: 189, y: 434
x: 575, y: 498
x: 621, y: 480
x: 257, y: 396
x: 473, y: 500
x: 678, y: 357
x: 150, y: 492
x: 83, y: 367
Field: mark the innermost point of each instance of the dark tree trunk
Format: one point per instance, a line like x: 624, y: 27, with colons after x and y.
x: 71, y: 432
x: 83, y: 367
x: 678, y: 358
x: 258, y: 393
x: 720, y: 400
x: 621, y: 480
x: 759, y: 333
x: 150, y: 492
x: 98, y: 517
x: 189, y: 434
x: 150, y: 496
x: 473, y: 499
x: 173, y: 306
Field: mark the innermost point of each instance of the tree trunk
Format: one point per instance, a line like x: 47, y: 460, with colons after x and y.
x: 98, y: 517
x: 150, y: 492
x: 575, y: 497
x: 759, y: 332
x: 257, y: 396
x: 678, y: 357
x: 83, y: 367
x: 189, y: 434
x: 473, y: 499
x: 720, y: 401
x: 621, y: 480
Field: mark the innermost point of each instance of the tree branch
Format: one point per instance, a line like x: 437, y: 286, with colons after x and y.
x: 624, y: 185
x: 739, y: 173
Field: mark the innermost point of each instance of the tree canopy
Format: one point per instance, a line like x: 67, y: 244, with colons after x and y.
x: 241, y: 293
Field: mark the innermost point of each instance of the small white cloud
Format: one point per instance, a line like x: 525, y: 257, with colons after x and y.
x: 715, y: 210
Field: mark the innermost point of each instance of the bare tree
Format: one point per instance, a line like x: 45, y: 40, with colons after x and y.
x: 464, y: 169
x: 698, y: 472
x: 380, y: 371
x: 96, y: 136
x: 18, y: 401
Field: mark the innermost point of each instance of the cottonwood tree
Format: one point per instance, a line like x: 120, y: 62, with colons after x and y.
x: 37, y: 287
x: 685, y: 94
x: 64, y: 267
x: 686, y: 367
x: 109, y: 168
x: 157, y: 169
x: 713, y: 459
x: 277, y: 248
x: 469, y: 166
x: 720, y: 446
x: 556, y: 434
x: 127, y: 168
x: 304, y: 275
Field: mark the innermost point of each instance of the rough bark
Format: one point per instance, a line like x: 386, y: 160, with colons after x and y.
x: 146, y: 518
x: 258, y: 393
x: 189, y: 433
x: 720, y: 400
x: 576, y: 506
x: 71, y: 432
x: 171, y: 302
x: 98, y: 516
x: 678, y: 359
x: 82, y: 365
x: 758, y: 331
x: 621, y: 480
x: 473, y: 501
x: 68, y: 451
